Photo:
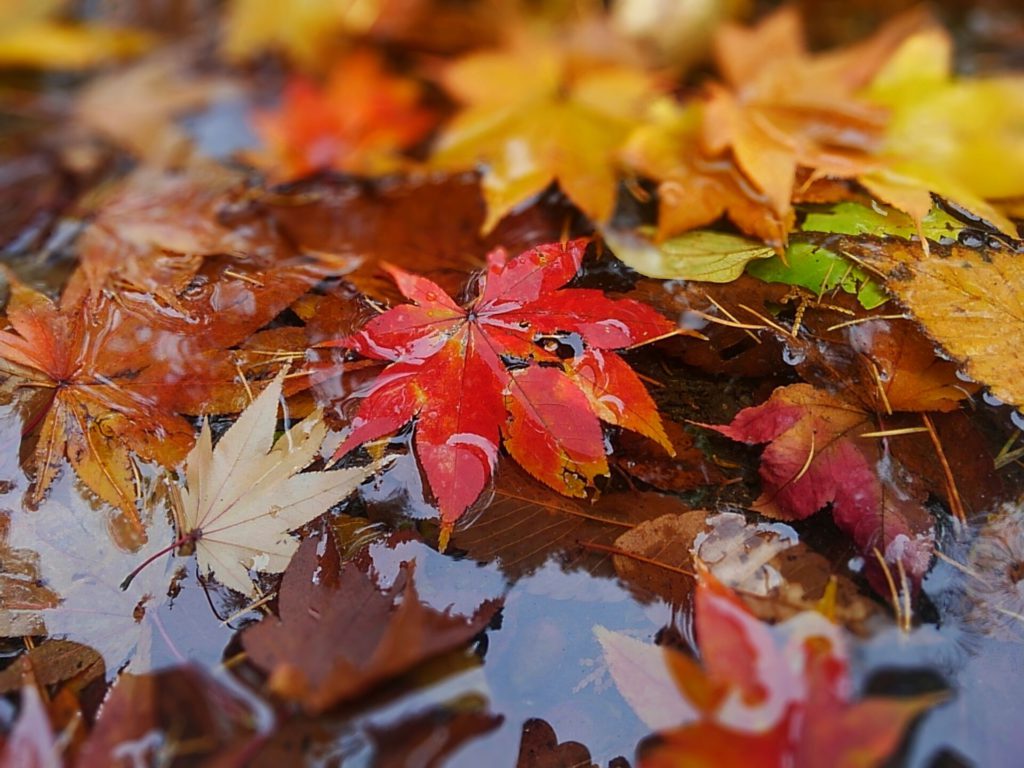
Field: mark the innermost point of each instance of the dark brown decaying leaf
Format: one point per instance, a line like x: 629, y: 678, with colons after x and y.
x: 339, y: 634
x: 428, y: 739
x: 688, y: 469
x: 539, y: 748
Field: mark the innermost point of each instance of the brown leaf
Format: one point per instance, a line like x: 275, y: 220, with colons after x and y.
x: 539, y: 748
x: 527, y: 524
x: 430, y: 224
x: 339, y: 634
x: 776, y: 575
x: 689, y: 468
x: 183, y: 711
x: 428, y: 739
x: 53, y: 662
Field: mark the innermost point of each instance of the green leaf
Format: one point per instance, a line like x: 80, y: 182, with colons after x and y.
x: 704, y: 255
x: 819, y: 269
x: 856, y: 219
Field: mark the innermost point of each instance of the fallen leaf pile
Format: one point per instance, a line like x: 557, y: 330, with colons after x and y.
x: 387, y: 382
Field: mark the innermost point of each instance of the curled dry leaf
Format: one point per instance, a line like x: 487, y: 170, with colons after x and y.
x: 339, y: 634
x: 242, y: 499
x: 471, y: 376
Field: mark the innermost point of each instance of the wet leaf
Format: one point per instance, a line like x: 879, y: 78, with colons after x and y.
x: 540, y: 748
x: 686, y: 469
x: 705, y: 255
x: 780, y: 696
x: 31, y: 743
x: 152, y: 234
x: 53, y: 662
x: 339, y: 634
x: 359, y: 120
x: 242, y: 498
x: 816, y: 456
x: 849, y: 218
x: 430, y: 738
x: 22, y: 592
x: 968, y: 301
x: 80, y: 563
x: 537, y: 112
x: 820, y: 270
x: 472, y: 376
x: 182, y: 713
x: 528, y: 524
x: 774, y: 573
x: 973, y: 150
x: 99, y: 396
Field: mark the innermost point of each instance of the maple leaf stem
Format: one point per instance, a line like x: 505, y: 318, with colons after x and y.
x: 178, y: 542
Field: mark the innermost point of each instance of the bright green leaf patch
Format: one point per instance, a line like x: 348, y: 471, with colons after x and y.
x: 856, y: 219
x: 819, y: 269
x: 704, y: 255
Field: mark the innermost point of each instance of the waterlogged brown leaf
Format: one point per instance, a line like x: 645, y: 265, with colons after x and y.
x: 430, y: 224
x: 686, y: 470
x: 970, y: 301
x: 185, y: 714
x: 242, y: 498
x: 338, y: 634
x: 527, y: 524
x: 152, y: 233
x: 429, y: 738
x: 540, y: 748
x: 53, y: 662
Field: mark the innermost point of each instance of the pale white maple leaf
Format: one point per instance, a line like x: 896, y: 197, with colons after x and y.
x: 243, y: 497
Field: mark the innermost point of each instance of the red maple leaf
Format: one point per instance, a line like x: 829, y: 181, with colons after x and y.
x: 473, y: 375
x: 773, y: 696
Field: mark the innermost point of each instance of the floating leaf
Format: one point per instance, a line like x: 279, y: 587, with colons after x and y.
x: 242, y: 499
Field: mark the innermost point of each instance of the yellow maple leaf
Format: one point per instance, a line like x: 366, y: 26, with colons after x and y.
x: 536, y: 112
x: 962, y: 139
x: 302, y: 30
x: 30, y: 37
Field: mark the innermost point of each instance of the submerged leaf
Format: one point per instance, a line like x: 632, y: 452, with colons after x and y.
x: 339, y: 634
